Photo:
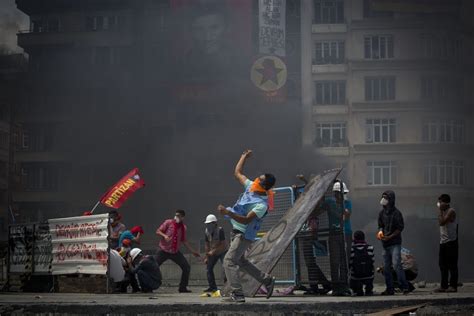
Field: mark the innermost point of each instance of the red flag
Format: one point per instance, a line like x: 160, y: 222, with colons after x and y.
x: 121, y: 191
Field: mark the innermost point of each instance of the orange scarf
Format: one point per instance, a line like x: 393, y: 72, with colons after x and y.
x: 257, y: 187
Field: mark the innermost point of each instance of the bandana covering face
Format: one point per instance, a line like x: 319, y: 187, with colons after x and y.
x: 257, y: 187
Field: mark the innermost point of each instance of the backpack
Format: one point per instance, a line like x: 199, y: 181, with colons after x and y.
x: 362, y: 264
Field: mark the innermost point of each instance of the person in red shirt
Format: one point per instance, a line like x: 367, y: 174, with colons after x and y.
x: 173, y: 233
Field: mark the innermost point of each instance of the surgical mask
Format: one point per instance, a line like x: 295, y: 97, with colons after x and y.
x: 438, y: 205
x: 177, y: 219
x: 383, y: 202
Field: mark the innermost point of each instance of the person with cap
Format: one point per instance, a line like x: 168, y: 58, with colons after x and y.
x: 391, y: 225
x: 334, y: 205
x: 361, y: 265
x: 145, y: 270
x: 448, y: 245
x: 215, y: 246
x: 134, y: 235
x: 173, y: 233
x: 116, y: 227
x: 246, y: 217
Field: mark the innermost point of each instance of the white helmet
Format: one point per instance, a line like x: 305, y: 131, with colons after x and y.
x: 337, y: 187
x: 135, y: 252
x: 210, y: 219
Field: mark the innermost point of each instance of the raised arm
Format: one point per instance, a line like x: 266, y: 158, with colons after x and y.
x: 240, y: 165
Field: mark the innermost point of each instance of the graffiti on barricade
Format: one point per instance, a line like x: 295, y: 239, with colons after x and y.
x: 75, y: 230
x: 81, y: 251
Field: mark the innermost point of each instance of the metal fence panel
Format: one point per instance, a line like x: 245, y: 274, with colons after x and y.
x: 20, y: 243
x: 79, y: 244
x: 42, y: 250
x: 284, y: 271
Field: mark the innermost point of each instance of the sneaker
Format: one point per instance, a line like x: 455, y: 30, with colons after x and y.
x: 234, y: 299
x: 270, y: 287
x: 388, y: 292
x: 451, y: 290
x: 440, y: 290
x: 185, y: 290
x: 209, y: 289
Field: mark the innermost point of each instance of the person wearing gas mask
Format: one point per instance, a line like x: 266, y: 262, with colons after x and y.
x: 246, y: 217
x: 173, y: 233
x: 215, y: 246
x: 390, y: 227
x: 116, y: 228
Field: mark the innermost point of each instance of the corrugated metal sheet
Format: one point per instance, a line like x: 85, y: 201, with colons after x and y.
x: 79, y: 244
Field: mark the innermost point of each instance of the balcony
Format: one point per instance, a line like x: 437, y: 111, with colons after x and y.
x: 329, y: 28
x: 332, y: 147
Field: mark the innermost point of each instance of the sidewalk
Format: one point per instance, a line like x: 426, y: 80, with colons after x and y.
x: 166, y: 301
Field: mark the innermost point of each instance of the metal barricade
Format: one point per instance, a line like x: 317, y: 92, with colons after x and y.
x: 284, y: 198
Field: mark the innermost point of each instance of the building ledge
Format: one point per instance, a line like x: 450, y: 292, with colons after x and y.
x: 329, y: 68
x: 419, y: 191
x: 333, y: 151
x: 329, y: 28
x: 38, y: 196
x: 39, y: 156
x: 415, y: 64
x: 407, y: 106
x: 330, y: 109
x: 463, y: 150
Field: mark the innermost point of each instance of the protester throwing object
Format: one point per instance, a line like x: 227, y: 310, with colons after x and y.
x: 246, y: 217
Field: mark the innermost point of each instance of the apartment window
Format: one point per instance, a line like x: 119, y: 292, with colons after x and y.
x: 39, y: 176
x: 45, y: 24
x: 443, y: 131
x: 379, y: 88
x: 328, y: 11
x: 330, y: 92
x: 371, y: 11
x: 378, y: 47
x: 441, y: 89
x: 4, y: 140
x: 329, y: 52
x: 37, y: 137
x: 444, y: 172
x: 380, y: 130
x: 441, y: 46
x: 104, y: 23
x: 331, y: 134
x: 381, y: 172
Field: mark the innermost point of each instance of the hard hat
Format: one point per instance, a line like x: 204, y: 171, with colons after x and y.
x: 210, y: 218
x: 337, y: 187
x: 135, y: 252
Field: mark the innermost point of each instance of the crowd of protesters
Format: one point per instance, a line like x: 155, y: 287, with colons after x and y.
x: 351, y: 257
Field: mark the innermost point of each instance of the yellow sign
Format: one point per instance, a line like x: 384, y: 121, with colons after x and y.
x: 269, y: 73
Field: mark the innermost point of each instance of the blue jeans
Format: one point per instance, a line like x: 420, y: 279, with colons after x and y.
x: 392, y: 257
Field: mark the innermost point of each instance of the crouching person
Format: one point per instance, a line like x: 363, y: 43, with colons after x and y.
x: 145, y: 270
x: 361, y: 265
